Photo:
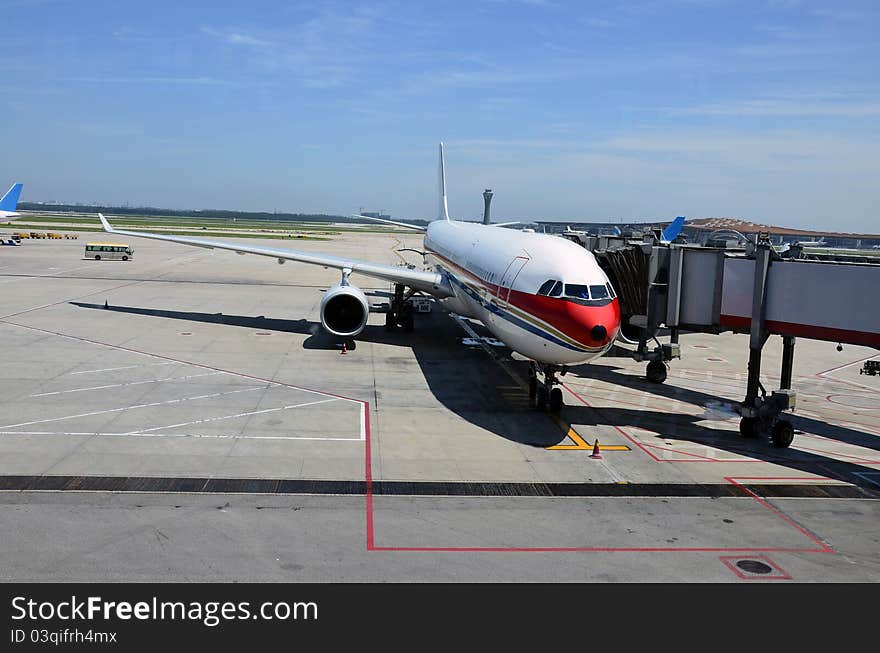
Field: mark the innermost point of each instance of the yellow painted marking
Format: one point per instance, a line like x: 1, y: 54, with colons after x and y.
x: 579, y: 443
x: 514, y: 395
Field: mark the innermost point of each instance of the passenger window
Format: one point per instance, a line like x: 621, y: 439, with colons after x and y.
x: 546, y: 287
x: 599, y: 292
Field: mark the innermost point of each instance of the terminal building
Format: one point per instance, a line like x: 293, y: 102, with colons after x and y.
x: 724, y: 231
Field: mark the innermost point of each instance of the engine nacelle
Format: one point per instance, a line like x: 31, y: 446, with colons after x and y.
x: 344, y: 310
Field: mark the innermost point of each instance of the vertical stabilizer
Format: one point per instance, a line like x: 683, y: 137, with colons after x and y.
x: 444, y: 209
x: 10, y: 200
x: 671, y: 232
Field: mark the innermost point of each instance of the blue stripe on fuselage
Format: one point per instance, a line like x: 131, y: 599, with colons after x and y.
x: 510, y: 317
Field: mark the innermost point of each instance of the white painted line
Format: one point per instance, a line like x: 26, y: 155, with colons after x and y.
x: 230, y: 436
x: 218, y: 419
x: 129, y: 350
x: 127, y: 367
x: 363, y: 422
x: 123, y: 385
x: 116, y: 410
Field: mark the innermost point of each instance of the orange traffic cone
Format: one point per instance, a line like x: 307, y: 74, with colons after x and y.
x: 596, y: 453
x: 344, y: 350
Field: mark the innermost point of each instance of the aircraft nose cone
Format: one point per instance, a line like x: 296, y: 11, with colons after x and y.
x: 598, y: 333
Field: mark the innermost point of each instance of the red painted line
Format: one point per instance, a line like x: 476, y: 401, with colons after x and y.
x: 839, y: 403
x: 585, y: 549
x: 644, y: 447
x: 832, y: 454
x: 824, y: 547
x: 695, y: 458
x: 368, y: 477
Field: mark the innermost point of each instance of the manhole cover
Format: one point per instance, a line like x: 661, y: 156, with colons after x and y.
x: 754, y: 566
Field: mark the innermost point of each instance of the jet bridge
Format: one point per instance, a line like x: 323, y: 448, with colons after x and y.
x: 755, y: 291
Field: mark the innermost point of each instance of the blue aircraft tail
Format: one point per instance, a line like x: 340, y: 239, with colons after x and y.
x: 10, y: 200
x: 671, y: 232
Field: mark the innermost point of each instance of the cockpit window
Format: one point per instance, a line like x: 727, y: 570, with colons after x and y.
x: 546, y: 287
x: 599, y: 292
x: 577, y: 291
x: 611, y: 292
x: 551, y: 288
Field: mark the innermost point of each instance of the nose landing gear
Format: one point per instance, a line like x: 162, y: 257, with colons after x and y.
x: 543, y: 396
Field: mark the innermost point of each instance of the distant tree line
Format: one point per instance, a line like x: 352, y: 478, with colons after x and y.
x: 215, y: 214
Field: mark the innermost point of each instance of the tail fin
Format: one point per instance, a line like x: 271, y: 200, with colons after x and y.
x: 444, y: 209
x: 672, y: 231
x: 10, y: 200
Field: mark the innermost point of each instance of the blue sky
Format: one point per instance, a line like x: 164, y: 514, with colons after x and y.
x: 768, y: 110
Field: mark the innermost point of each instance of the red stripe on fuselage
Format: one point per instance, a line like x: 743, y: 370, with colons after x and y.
x: 572, y: 319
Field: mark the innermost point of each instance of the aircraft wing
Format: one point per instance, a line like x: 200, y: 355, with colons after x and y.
x: 426, y: 281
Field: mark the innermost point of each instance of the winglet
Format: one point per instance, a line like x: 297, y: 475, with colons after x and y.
x: 444, y: 208
x: 10, y: 200
x: 106, y: 224
x: 671, y: 232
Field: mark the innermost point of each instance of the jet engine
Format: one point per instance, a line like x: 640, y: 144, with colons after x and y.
x: 344, y: 310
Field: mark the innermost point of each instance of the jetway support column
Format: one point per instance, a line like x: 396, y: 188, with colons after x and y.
x: 787, y: 362
x: 758, y: 334
x: 760, y: 414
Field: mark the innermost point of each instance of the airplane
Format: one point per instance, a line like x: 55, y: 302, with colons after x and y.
x: 805, y: 243
x: 671, y: 232
x: 9, y: 202
x: 543, y: 296
x: 665, y: 236
x: 811, y: 243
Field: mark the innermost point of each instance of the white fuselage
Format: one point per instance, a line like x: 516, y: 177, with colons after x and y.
x: 496, y: 274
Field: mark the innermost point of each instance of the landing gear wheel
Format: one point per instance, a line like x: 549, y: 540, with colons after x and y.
x: 408, y: 323
x: 389, y: 321
x: 749, y: 426
x: 533, y: 393
x: 656, y: 372
x: 555, y: 400
x: 782, y: 434
x: 542, y: 399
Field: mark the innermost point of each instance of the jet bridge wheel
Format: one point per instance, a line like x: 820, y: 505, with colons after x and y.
x: 749, y: 427
x: 782, y: 434
x: 656, y: 372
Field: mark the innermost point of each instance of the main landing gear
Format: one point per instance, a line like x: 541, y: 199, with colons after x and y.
x: 543, y: 395
x: 400, y: 313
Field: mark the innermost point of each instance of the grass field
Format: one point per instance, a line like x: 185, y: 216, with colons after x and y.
x: 27, y: 226
x: 41, y: 221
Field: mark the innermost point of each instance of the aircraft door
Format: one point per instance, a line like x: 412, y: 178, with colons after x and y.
x: 513, y: 270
